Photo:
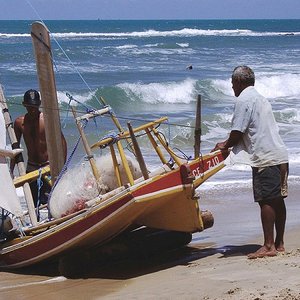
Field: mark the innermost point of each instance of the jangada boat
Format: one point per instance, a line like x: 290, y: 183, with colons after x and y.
x: 163, y: 199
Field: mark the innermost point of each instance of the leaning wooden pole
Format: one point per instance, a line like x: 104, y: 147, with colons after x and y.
x: 138, y: 152
x: 43, y: 55
x: 198, y: 128
x: 88, y: 151
x: 19, y: 158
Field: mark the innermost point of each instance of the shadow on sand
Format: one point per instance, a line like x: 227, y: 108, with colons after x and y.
x: 134, y: 254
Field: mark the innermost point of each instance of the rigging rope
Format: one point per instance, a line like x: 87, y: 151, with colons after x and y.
x: 63, y: 51
x: 39, y: 186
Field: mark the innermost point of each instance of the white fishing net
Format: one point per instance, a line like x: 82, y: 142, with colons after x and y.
x: 79, y: 185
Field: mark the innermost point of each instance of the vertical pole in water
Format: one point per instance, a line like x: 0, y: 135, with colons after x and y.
x: 198, y: 128
x: 43, y: 55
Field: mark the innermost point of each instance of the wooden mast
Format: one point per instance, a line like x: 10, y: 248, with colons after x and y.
x: 198, y: 128
x: 43, y: 55
x: 20, y: 161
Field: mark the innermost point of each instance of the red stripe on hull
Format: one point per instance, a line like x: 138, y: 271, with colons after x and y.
x: 58, y: 238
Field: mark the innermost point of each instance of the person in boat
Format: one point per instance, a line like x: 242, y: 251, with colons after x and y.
x: 254, y: 131
x: 31, y: 126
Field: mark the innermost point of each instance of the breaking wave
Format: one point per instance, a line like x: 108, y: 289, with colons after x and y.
x: 185, y: 32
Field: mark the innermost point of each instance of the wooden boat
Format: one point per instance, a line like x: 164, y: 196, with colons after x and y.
x: 163, y: 199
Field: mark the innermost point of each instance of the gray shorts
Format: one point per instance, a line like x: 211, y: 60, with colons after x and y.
x: 270, y: 182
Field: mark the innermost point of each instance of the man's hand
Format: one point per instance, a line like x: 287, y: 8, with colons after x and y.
x: 220, y: 146
x: 10, y: 153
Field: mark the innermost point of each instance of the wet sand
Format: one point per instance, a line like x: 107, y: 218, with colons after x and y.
x: 213, y: 266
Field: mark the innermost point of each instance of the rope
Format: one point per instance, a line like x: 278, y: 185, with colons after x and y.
x: 63, y: 51
x: 39, y: 186
x: 113, y: 136
x: 184, y: 155
x: 112, y: 113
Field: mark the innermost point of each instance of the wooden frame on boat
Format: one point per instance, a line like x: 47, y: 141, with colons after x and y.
x: 163, y: 199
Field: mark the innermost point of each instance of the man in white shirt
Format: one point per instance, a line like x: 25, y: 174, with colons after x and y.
x: 254, y: 131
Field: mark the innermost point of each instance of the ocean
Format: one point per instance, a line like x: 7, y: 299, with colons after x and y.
x: 148, y: 69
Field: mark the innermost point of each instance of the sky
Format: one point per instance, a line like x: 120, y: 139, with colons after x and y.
x: 148, y: 9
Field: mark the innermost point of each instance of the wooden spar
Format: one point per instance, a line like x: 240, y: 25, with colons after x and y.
x: 156, y: 147
x: 138, y: 152
x: 125, y: 163
x: 114, y: 118
x: 117, y: 123
x: 20, y: 163
x: 126, y: 133
x: 93, y: 114
x: 116, y: 164
x: 87, y: 149
x: 168, y: 149
x: 197, y: 128
x: 43, y: 55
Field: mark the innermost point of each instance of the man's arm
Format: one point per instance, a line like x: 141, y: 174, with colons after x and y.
x: 18, y: 132
x: 10, y: 153
x: 234, y: 137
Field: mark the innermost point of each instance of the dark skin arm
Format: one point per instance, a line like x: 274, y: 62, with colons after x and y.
x: 18, y: 131
x: 234, y: 138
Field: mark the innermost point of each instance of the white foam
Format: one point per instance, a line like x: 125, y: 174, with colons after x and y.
x: 126, y: 46
x: 156, y: 33
x: 168, y: 92
x: 274, y: 86
x: 183, y: 45
x: 285, y: 85
x: 82, y: 98
x: 181, y: 32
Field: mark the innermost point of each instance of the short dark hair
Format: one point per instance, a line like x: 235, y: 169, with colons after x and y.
x: 244, y: 74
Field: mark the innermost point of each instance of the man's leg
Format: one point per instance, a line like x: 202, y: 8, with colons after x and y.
x: 268, y: 216
x: 280, y: 220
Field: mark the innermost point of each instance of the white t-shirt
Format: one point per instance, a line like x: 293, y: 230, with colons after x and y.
x: 254, y: 117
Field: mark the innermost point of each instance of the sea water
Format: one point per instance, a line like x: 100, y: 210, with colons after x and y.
x: 148, y: 69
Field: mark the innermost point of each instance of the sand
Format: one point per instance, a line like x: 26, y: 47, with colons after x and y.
x: 206, y: 269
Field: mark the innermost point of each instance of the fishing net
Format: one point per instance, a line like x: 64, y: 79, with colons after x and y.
x: 79, y: 185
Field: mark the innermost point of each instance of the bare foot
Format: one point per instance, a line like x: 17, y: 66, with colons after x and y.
x: 263, y: 252
x: 280, y: 249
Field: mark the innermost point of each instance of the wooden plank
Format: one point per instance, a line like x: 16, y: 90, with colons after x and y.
x: 126, y: 134
x: 19, y: 181
x: 43, y: 55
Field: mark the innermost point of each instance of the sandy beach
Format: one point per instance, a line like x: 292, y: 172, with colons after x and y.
x: 213, y: 266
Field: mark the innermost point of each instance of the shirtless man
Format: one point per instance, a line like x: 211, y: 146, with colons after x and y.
x: 31, y: 126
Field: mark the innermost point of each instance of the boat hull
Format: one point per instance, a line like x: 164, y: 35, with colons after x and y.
x: 164, y: 202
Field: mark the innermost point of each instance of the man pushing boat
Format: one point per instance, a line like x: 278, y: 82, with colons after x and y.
x: 255, y: 132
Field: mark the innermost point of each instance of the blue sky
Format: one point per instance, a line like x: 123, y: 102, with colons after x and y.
x: 149, y: 9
